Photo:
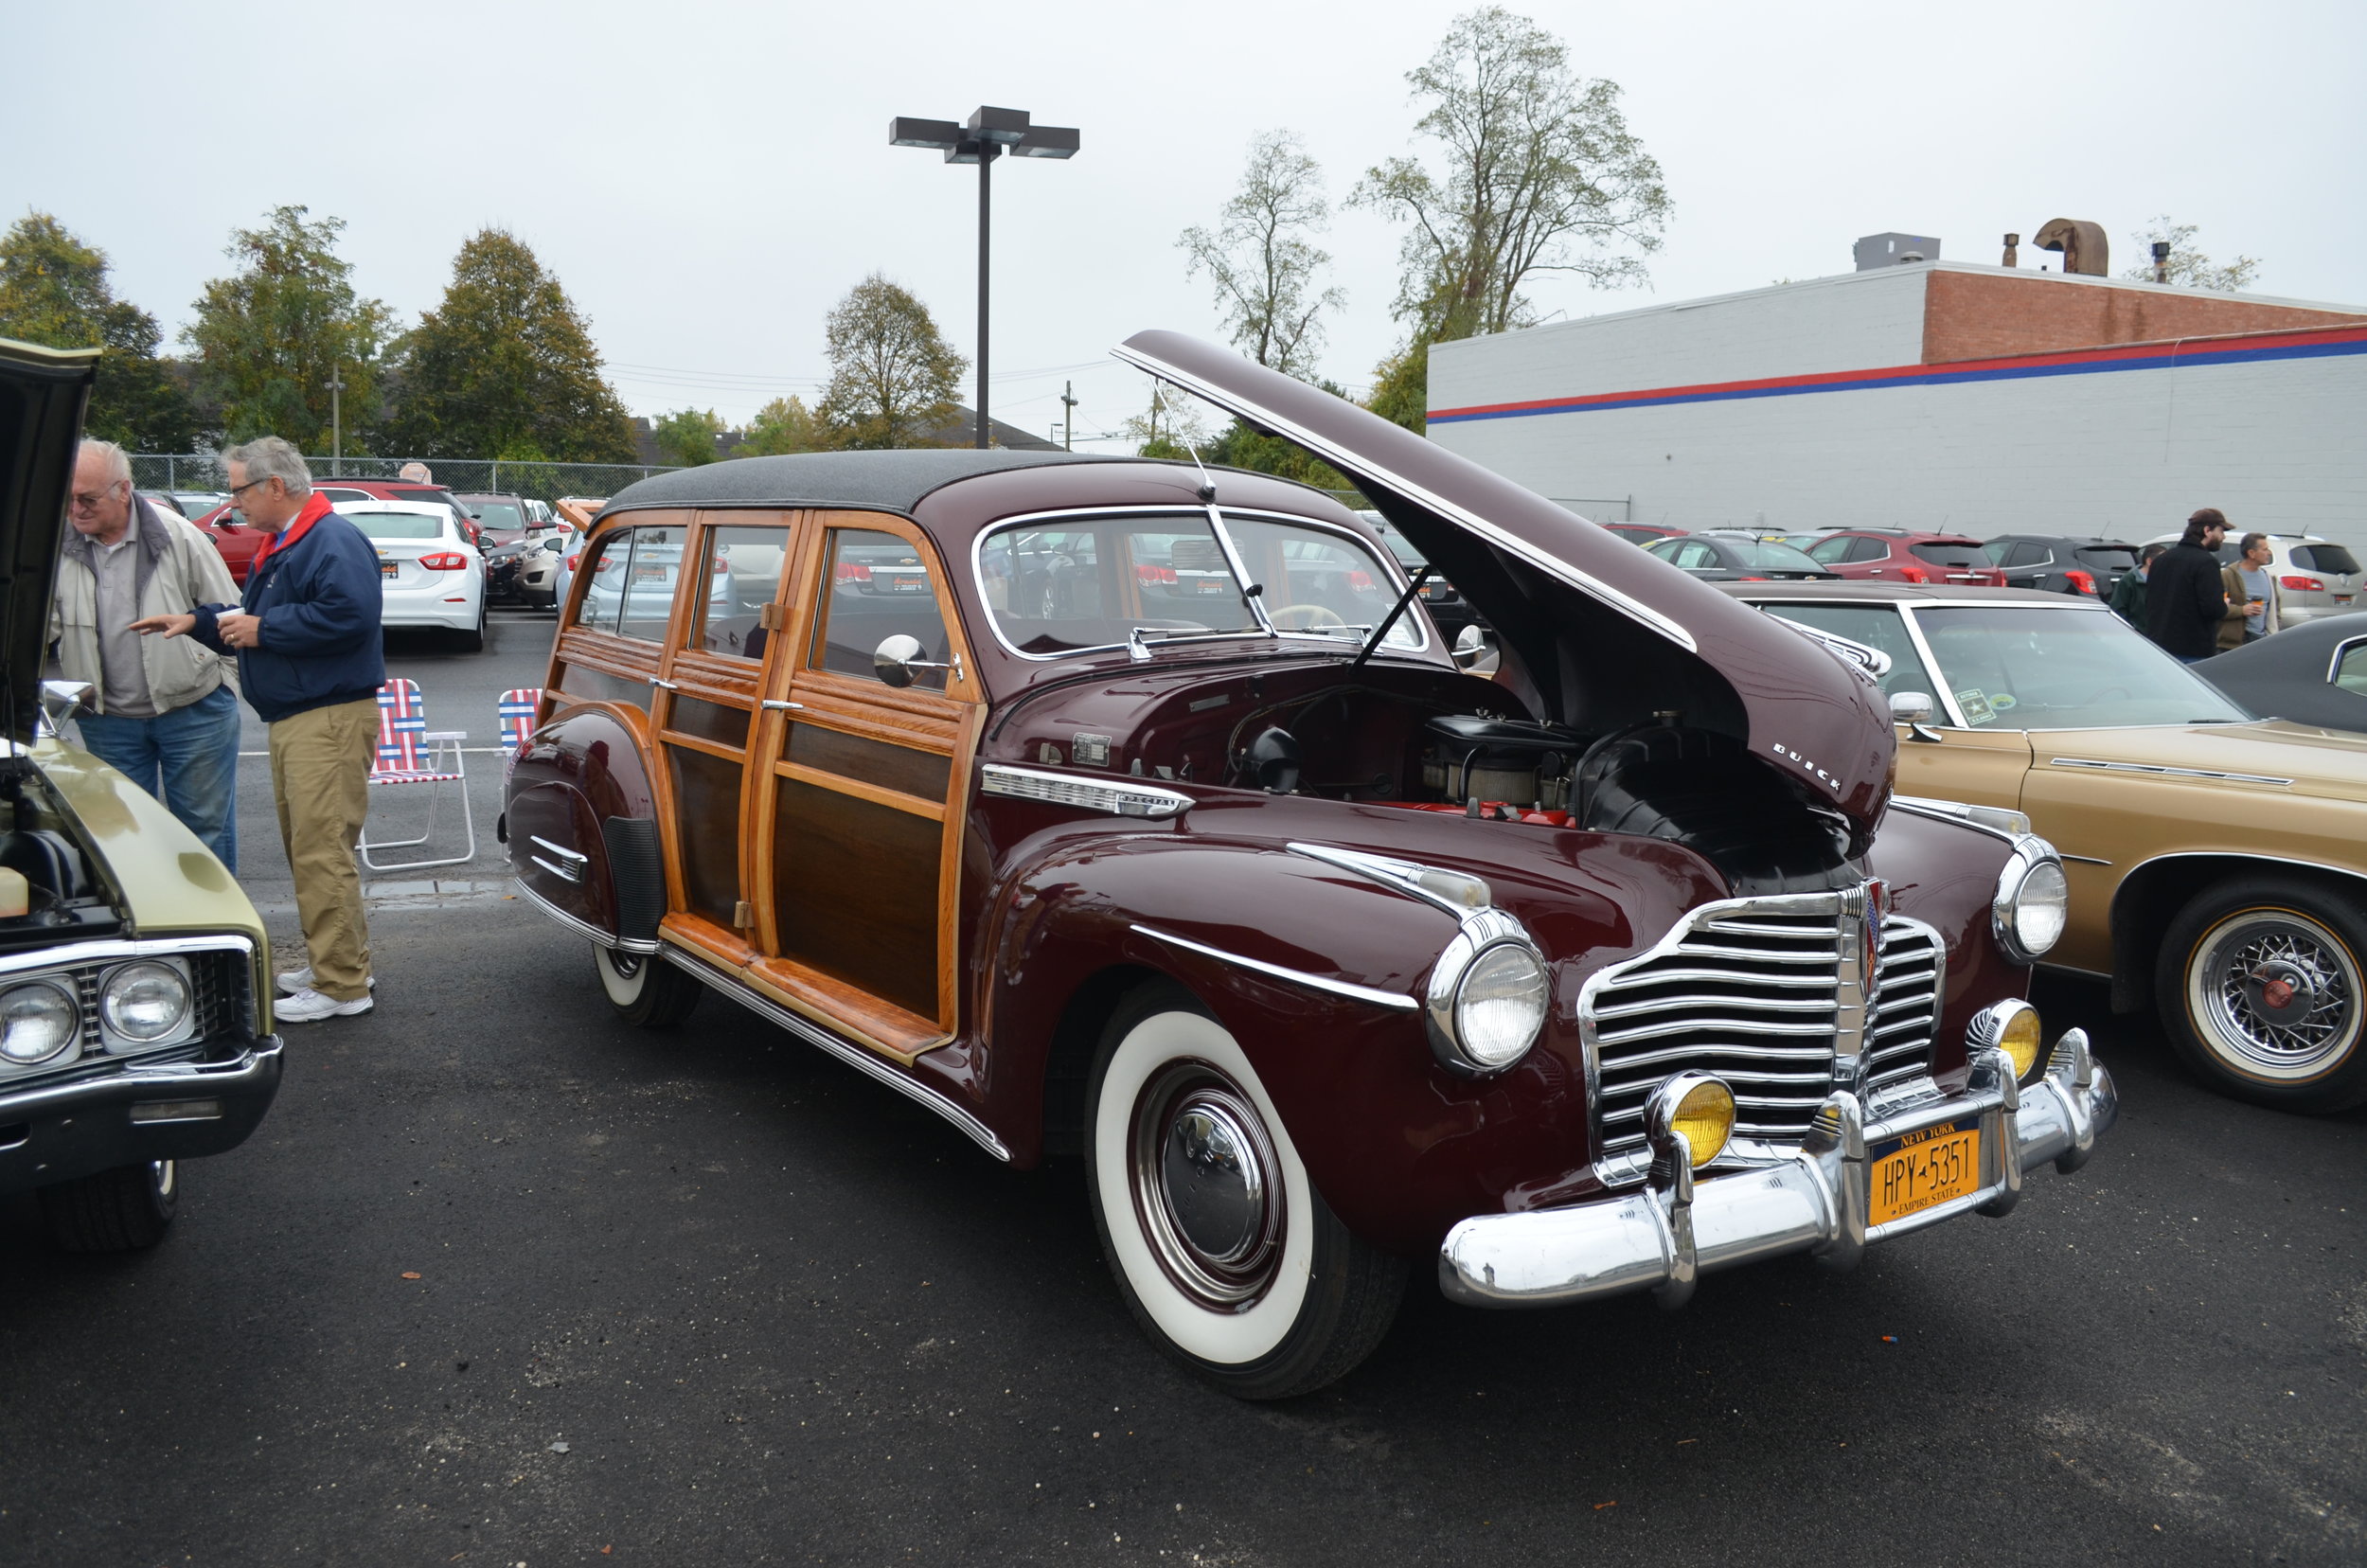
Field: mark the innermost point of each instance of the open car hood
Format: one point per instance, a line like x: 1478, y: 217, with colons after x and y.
x: 1601, y: 633
x: 42, y: 394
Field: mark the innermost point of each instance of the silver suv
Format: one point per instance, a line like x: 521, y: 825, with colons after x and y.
x: 2319, y: 576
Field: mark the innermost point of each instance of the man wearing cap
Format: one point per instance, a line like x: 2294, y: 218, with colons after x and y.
x: 2184, y: 598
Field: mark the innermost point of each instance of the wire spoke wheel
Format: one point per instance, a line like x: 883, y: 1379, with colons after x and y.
x: 2279, y: 993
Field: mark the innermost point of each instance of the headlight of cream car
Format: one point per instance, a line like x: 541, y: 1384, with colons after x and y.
x: 144, y: 1003
x: 2033, y: 901
x: 36, y: 1021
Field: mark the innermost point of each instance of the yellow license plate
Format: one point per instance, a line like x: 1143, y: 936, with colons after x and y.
x: 1923, y: 1169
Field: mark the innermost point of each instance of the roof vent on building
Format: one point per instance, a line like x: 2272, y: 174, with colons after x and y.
x: 2084, y: 247
x: 1893, y: 250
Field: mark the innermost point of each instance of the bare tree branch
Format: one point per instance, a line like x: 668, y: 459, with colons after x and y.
x: 1262, y: 268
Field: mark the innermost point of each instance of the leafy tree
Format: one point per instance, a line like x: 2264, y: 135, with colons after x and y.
x: 1401, y: 387
x: 783, y: 425
x: 505, y: 367
x: 271, y: 337
x: 686, y: 437
x: 1171, y: 427
x: 1539, y: 173
x: 1260, y: 262
x: 893, y: 376
x: 2189, y: 267
x: 53, y: 291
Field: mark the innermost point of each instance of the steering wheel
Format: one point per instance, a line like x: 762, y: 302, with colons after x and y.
x: 1303, y: 617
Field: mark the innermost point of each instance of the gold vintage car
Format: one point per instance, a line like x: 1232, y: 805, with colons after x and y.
x: 2217, y: 862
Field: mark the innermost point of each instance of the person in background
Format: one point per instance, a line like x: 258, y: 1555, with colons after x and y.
x: 310, y: 664
x: 2184, y: 596
x: 2253, y: 603
x: 160, y: 714
x: 2128, y: 595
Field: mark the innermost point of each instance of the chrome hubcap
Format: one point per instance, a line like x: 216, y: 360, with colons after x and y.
x: 2279, y: 993
x: 1206, y: 1185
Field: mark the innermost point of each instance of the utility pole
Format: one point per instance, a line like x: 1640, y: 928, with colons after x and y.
x: 1068, y: 416
x: 336, y: 421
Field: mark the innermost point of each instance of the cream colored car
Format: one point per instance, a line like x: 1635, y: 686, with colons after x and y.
x: 2217, y: 862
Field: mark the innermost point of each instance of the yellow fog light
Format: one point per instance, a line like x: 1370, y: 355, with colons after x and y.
x: 1697, y: 1105
x: 2012, y: 1027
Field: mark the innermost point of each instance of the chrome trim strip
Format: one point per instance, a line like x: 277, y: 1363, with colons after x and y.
x: 2353, y: 872
x: 569, y: 855
x: 867, y: 1062
x: 2164, y: 770
x: 2334, y: 664
x: 100, y: 952
x: 584, y: 928
x: 1114, y: 796
x: 1393, y: 1000
x: 2083, y: 859
x: 1553, y: 565
x: 1399, y: 876
x: 564, y: 873
x: 1963, y: 812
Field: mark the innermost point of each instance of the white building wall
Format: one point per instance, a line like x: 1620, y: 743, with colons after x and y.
x: 2277, y: 444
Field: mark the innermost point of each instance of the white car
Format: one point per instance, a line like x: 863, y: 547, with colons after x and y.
x: 2318, y: 577
x: 431, y: 575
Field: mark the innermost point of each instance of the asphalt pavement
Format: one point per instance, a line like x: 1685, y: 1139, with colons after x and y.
x: 503, y: 1280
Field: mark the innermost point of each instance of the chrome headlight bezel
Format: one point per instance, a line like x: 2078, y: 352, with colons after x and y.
x: 111, y: 1020
x: 1483, y: 934
x: 63, y: 990
x: 2033, y: 871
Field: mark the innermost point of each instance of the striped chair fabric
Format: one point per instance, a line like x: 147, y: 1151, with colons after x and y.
x: 517, y: 709
x: 408, y: 753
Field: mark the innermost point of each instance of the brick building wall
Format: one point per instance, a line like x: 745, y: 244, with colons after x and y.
x: 1994, y: 311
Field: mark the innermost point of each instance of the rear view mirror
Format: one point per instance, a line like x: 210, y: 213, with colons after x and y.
x: 1475, y: 651
x: 896, y: 658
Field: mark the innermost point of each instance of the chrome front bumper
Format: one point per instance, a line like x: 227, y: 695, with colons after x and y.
x: 1664, y: 1235
x: 161, y: 1110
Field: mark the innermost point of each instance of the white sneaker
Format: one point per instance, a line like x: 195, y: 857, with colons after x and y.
x: 308, y: 1005
x: 300, y: 980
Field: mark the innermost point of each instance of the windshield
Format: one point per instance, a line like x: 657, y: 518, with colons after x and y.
x: 379, y: 524
x: 499, y: 514
x: 1877, y: 626
x: 2038, y: 668
x: 1319, y: 581
x: 1771, y: 556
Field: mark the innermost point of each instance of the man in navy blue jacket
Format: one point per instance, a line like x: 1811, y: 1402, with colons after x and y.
x: 309, y: 663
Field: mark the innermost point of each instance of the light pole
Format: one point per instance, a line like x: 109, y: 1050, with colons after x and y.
x: 989, y: 134
x: 336, y: 420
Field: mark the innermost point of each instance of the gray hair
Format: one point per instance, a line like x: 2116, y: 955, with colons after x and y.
x: 117, y: 461
x: 271, y: 457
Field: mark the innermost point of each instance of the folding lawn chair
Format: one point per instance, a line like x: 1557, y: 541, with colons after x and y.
x: 517, y: 709
x: 410, y: 753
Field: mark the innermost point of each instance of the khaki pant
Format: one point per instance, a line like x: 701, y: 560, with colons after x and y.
x: 320, y: 775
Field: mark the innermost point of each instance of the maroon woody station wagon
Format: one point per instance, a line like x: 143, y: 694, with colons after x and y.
x: 1117, y: 809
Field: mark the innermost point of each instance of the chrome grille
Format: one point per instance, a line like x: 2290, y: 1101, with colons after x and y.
x: 1764, y: 992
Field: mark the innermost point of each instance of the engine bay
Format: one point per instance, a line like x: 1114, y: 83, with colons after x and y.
x: 64, y: 899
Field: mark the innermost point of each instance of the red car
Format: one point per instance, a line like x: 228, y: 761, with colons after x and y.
x: 237, y: 541
x: 1331, y: 963
x: 1642, y: 533
x: 1904, y: 555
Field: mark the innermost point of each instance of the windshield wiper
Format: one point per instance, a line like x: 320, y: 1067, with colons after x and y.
x: 1139, y: 638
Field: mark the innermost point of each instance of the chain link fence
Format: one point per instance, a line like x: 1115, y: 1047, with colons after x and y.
x: 467, y: 475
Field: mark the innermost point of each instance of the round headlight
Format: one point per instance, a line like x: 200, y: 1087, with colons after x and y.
x: 2011, y: 1026
x: 1698, y: 1105
x: 37, y: 1021
x: 1500, y: 1006
x: 145, y: 1002
x: 2033, y: 904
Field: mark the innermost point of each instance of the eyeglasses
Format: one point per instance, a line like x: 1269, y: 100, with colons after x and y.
x: 90, y: 503
x: 232, y: 490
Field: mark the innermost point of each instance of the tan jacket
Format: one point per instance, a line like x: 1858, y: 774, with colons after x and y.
x: 179, y: 569
x: 2231, y: 624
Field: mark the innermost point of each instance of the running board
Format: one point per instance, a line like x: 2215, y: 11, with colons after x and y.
x: 854, y: 1056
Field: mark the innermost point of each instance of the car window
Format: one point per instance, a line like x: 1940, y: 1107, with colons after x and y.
x: 1830, y: 550
x: 1951, y: 555
x: 1877, y: 626
x: 2324, y: 558
x: 379, y: 524
x: 2019, y: 552
x: 2030, y: 668
x: 879, y: 587
x: 2109, y: 558
x: 1866, y: 547
x: 498, y: 514
x: 1087, y: 582
x: 1320, y: 581
x: 648, y: 582
x: 743, y: 576
x: 1773, y: 555
x: 2350, y: 672
x: 604, y: 581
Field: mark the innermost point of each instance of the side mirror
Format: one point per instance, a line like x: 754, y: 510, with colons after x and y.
x: 1914, y: 709
x: 60, y: 701
x: 894, y: 660
x: 1475, y: 651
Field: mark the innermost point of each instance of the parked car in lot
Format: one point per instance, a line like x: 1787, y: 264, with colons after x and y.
x: 1737, y: 558
x: 527, y: 570
x: 430, y: 575
x: 501, y: 519
x: 1642, y: 533
x: 135, y: 1028
x: 2218, y: 863
x: 2062, y: 565
x: 239, y: 541
x: 162, y: 498
x: 2316, y: 576
x: 1903, y: 555
x: 2315, y: 673
x: 1330, y: 959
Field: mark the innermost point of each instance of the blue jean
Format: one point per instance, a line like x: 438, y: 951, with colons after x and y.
x: 195, y: 749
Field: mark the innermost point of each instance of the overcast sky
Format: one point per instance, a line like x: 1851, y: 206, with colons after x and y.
x: 708, y: 179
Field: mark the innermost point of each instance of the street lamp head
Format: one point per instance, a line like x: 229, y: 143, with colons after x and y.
x: 970, y: 149
x: 905, y: 131
x: 1006, y: 126
x: 1047, y: 141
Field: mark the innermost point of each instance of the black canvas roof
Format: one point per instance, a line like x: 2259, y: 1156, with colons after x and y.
x: 890, y: 481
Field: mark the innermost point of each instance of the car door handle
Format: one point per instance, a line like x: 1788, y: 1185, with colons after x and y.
x: 664, y: 685
x: 773, y: 704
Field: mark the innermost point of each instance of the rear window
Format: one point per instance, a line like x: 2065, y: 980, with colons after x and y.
x: 377, y: 524
x: 1951, y: 555
x: 499, y: 514
x: 1772, y: 557
x: 2324, y: 558
x: 2109, y: 558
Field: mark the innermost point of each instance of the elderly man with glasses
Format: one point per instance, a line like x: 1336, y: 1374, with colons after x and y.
x: 163, y: 714
x: 310, y: 664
